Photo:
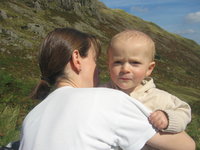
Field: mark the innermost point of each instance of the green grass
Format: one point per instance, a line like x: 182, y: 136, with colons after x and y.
x: 14, y: 106
x: 194, y: 127
x: 8, y: 125
x: 191, y: 96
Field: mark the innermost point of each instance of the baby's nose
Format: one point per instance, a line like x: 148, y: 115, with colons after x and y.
x: 125, y: 68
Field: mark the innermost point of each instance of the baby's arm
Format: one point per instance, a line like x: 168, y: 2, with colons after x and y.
x: 159, y: 119
x: 179, y: 115
x: 175, y: 111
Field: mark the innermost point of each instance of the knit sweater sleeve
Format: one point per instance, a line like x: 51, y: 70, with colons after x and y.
x: 179, y: 115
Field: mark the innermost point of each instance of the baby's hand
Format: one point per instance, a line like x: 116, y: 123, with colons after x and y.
x: 159, y: 119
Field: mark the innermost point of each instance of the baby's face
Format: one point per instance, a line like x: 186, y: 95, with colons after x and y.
x: 129, y: 63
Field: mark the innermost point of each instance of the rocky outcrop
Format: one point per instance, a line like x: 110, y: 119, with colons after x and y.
x: 3, y: 14
x: 65, y: 4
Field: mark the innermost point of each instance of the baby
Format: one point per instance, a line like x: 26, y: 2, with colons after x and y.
x: 131, y: 62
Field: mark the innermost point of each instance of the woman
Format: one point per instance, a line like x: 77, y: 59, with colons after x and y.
x: 76, y: 116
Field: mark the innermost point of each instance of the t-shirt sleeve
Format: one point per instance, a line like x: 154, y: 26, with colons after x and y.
x: 134, y: 129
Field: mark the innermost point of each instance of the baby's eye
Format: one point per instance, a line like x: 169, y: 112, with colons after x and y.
x: 117, y: 62
x: 135, y: 62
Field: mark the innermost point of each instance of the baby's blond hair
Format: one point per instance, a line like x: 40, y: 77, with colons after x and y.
x: 134, y: 34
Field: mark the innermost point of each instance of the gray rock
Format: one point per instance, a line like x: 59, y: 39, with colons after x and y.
x: 8, y: 32
x: 11, y: 33
x: 36, y: 28
x: 1, y: 30
x: 27, y: 44
x: 2, y: 49
x: 3, y: 14
x: 37, y: 6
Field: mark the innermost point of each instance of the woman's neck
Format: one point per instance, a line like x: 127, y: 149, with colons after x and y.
x: 66, y: 83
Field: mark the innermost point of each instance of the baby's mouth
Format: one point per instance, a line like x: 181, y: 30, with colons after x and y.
x: 124, y: 78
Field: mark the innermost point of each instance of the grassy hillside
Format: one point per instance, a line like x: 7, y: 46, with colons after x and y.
x: 24, y: 23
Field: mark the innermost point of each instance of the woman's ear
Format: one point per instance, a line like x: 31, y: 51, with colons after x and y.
x: 150, y: 68
x: 76, y: 61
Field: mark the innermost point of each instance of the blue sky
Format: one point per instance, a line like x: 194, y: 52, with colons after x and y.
x: 177, y: 16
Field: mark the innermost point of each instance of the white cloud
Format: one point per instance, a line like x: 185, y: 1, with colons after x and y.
x: 139, y: 9
x: 187, y: 31
x: 126, y: 3
x: 193, y: 17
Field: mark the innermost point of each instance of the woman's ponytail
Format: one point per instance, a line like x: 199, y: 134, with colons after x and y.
x: 41, y: 91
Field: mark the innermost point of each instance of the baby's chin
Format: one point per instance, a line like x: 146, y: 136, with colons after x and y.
x: 125, y: 88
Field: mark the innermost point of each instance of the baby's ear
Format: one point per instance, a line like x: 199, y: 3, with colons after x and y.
x: 150, y: 68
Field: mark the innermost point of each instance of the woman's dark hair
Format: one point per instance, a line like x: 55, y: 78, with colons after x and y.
x: 55, y: 53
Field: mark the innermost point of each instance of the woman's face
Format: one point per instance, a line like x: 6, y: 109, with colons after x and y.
x: 89, y: 69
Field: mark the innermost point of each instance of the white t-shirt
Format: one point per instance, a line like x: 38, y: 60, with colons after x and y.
x: 86, y: 119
